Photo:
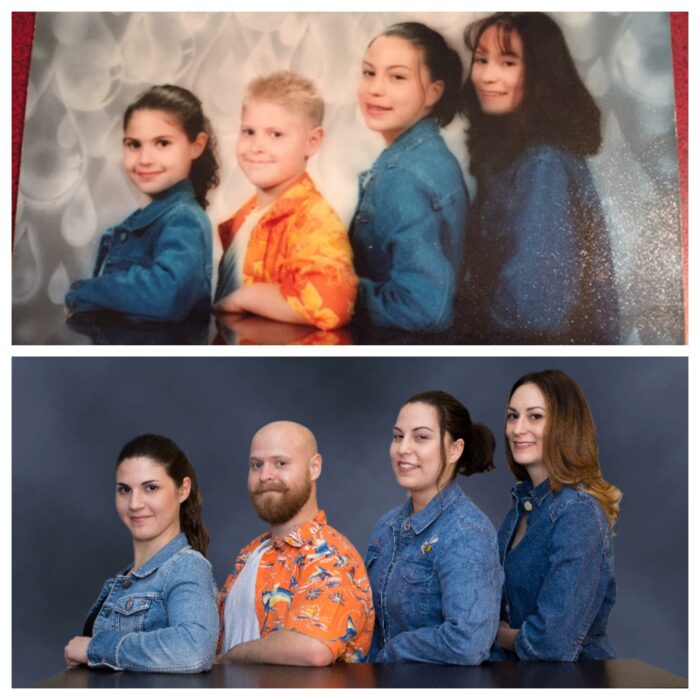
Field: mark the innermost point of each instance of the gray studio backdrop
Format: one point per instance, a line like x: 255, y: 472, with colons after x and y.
x: 72, y: 415
x: 87, y: 67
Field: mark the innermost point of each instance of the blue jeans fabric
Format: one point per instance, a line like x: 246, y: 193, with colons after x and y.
x: 538, y: 262
x: 436, y: 582
x: 408, y: 231
x: 560, y: 584
x: 161, y: 617
x: 155, y: 265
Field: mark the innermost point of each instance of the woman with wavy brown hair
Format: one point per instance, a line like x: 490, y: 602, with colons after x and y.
x: 555, y: 543
x: 159, y: 613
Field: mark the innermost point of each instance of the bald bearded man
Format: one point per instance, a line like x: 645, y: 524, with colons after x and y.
x: 298, y: 594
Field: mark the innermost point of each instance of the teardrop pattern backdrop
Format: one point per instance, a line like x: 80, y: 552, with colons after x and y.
x: 87, y: 67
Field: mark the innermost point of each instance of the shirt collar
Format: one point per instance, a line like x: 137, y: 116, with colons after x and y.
x: 525, y: 489
x: 162, y: 555
x: 301, y: 534
x: 162, y: 202
x: 421, y: 131
x: 426, y: 517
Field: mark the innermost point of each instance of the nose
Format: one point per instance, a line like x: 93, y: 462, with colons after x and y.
x: 145, y: 155
x: 266, y: 473
x: 375, y: 84
x: 486, y: 72
x: 404, y: 445
x: 519, y: 426
x: 135, y: 500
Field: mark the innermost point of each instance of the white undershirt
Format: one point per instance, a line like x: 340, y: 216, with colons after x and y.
x: 240, y: 621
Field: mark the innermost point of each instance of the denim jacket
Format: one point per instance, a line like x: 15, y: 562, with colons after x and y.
x: 436, y: 582
x: 408, y: 231
x: 156, y: 264
x: 538, y: 261
x: 560, y: 585
x: 161, y: 617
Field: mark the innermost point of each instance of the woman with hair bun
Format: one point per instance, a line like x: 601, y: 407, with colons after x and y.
x: 433, y: 562
x: 159, y: 613
x: 556, y: 541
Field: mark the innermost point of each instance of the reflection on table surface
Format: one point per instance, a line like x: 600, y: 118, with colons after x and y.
x: 50, y: 327
x: 618, y: 673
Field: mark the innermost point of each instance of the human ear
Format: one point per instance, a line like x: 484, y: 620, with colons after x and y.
x: 315, y: 466
x: 199, y: 144
x: 456, y: 450
x: 434, y: 93
x: 313, y: 141
x: 184, y: 490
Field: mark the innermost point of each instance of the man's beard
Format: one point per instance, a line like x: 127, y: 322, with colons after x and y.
x: 280, y: 508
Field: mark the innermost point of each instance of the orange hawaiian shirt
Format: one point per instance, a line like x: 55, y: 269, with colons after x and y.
x: 300, y: 245
x: 314, y: 582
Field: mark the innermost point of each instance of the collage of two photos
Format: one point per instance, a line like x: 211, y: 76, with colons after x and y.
x: 489, y: 197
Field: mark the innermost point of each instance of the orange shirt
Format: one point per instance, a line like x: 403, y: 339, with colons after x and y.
x: 301, y: 246
x: 314, y: 582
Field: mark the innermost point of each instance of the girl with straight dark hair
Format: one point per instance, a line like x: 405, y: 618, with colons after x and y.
x: 538, y: 263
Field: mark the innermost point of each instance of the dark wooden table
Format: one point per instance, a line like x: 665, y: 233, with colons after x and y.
x: 619, y: 673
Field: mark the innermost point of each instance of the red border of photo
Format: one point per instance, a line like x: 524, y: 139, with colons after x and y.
x: 23, y: 34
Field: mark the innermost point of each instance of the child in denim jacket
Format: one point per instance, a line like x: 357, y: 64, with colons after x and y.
x: 156, y: 265
x: 158, y: 614
x: 409, y: 226
x: 286, y: 252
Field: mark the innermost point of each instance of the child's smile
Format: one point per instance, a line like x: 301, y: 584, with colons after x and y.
x: 274, y: 145
x: 157, y: 153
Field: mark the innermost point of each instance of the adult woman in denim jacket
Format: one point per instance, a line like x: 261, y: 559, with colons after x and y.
x: 159, y: 613
x: 555, y: 542
x: 538, y: 263
x: 408, y: 229
x: 433, y: 562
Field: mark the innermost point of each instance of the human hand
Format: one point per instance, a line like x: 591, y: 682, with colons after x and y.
x: 75, y: 652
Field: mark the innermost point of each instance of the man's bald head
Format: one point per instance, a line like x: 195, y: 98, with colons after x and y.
x: 286, y: 433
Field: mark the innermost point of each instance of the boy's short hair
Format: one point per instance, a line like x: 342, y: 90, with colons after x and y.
x: 290, y: 90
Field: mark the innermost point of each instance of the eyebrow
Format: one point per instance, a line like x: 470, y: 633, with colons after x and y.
x: 529, y: 408
x: 391, y: 67
x: 420, y: 427
x: 501, y: 52
x: 143, y: 483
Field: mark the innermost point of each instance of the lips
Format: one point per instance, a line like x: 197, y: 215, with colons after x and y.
x: 376, y: 110
x: 406, y: 467
x: 490, y: 94
x: 520, y: 445
x: 138, y: 520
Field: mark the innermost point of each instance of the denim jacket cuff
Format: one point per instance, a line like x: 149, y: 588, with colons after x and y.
x: 103, y: 650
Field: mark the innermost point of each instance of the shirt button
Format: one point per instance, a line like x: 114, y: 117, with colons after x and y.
x: 528, y: 506
x: 126, y: 584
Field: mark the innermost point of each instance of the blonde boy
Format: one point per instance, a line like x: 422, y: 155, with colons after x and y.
x: 286, y: 252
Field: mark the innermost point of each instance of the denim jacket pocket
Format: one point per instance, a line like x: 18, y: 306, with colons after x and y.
x: 417, y: 571
x: 130, y: 613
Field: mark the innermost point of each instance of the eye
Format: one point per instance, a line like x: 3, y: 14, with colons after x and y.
x: 398, y: 76
x: 123, y: 489
x: 421, y: 437
x: 151, y: 488
x: 277, y: 134
x: 536, y: 416
x: 256, y: 465
x: 480, y: 60
x: 367, y: 72
x: 511, y: 415
x: 162, y: 143
x: 280, y: 463
x: 247, y: 132
x: 131, y: 145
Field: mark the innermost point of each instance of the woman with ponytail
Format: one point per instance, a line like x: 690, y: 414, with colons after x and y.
x: 556, y: 541
x: 433, y: 562
x: 159, y: 613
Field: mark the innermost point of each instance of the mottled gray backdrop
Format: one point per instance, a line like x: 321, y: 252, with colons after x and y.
x: 86, y: 67
x: 71, y: 416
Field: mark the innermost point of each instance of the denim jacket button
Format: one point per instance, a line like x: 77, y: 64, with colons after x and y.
x: 126, y: 584
x: 122, y: 236
x: 129, y: 604
x: 108, y: 613
x: 527, y: 506
x: 407, y: 526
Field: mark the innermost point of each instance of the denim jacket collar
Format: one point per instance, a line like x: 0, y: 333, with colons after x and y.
x: 421, y: 131
x: 425, y: 518
x: 142, y: 218
x: 525, y: 489
x: 162, y: 555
